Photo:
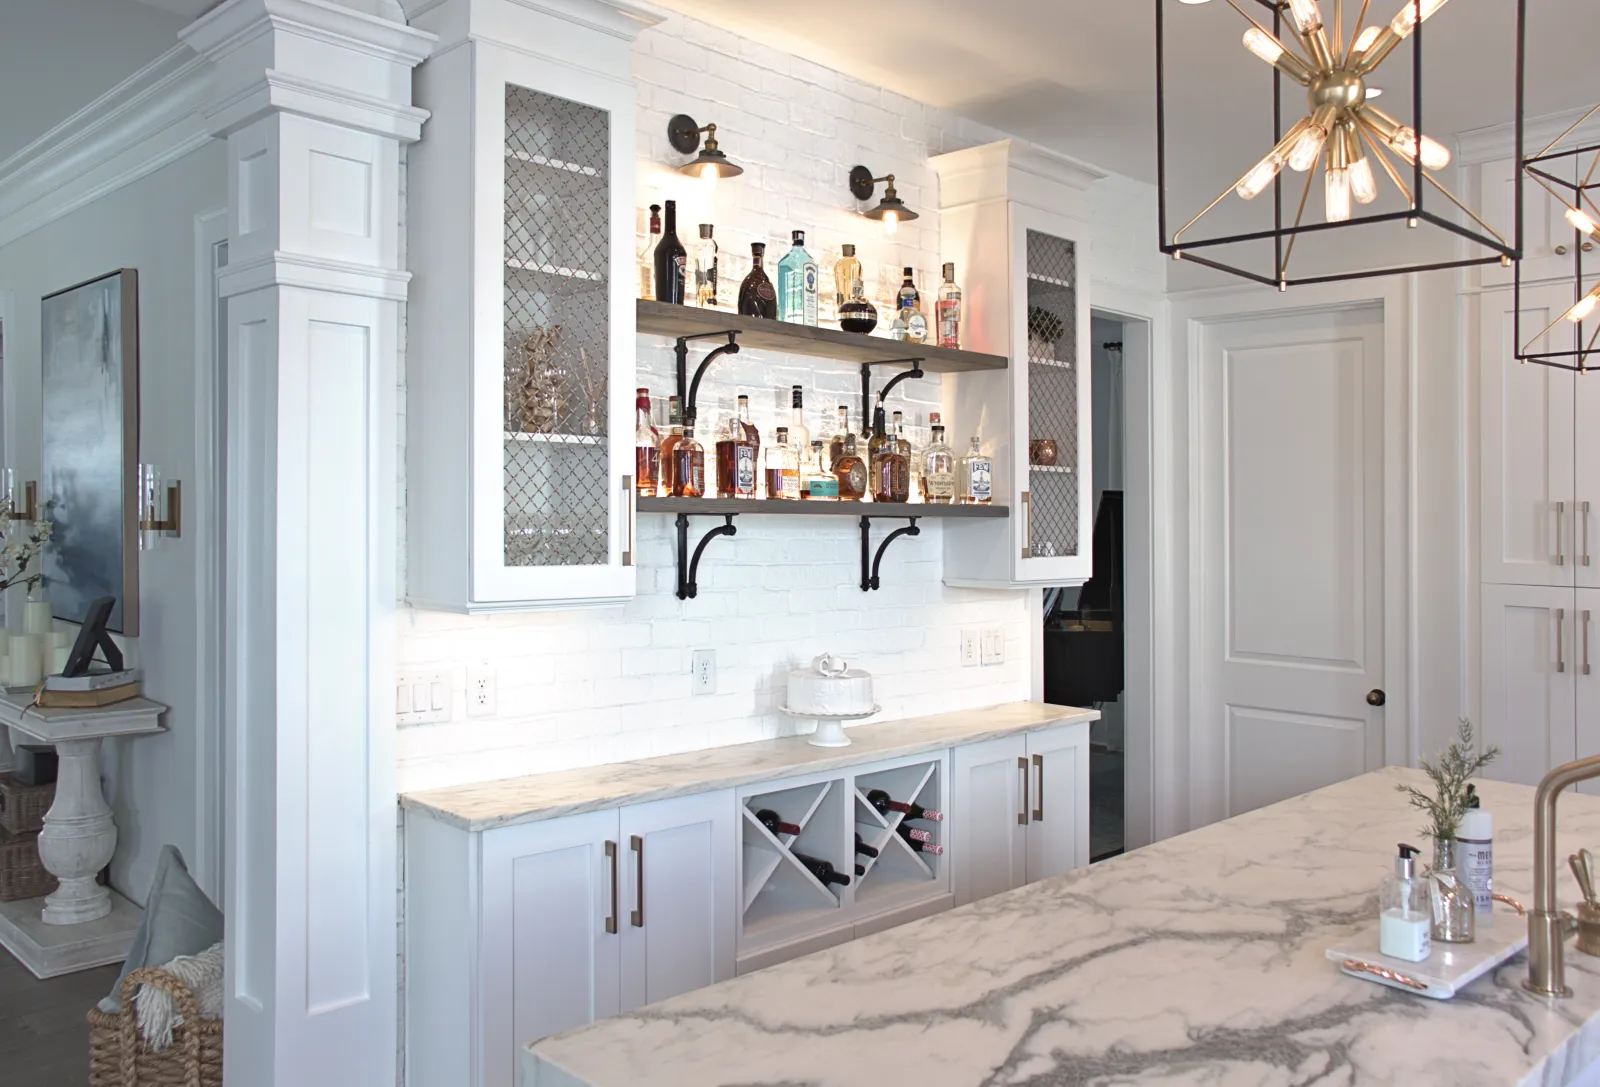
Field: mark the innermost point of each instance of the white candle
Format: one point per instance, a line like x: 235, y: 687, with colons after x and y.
x: 58, y: 659
x: 25, y: 668
x: 36, y: 617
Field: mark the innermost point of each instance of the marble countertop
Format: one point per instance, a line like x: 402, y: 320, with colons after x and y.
x: 489, y: 804
x: 1198, y: 960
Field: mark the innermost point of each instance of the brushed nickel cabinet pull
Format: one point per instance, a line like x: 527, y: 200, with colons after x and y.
x: 1584, y: 647
x: 1561, y: 556
x: 1038, y: 797
x: 1561, y: 621
x: 611, y: 919
x: 1027, y: 524
x: 1583, y: 511
x: 633, y: 520
x: 1022, y: 768
x: 636, y: 843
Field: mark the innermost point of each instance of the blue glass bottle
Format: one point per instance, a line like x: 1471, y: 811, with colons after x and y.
x: 797, y: 284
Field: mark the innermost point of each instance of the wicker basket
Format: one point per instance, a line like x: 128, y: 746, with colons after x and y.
x: 22, y: 874
x: 118, y: 1057
x: 22, y: 807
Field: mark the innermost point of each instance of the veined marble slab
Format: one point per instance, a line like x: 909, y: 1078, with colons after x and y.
x: 1198, y: 960
x: 489, y: 804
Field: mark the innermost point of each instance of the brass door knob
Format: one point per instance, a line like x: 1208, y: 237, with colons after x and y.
x: 1376, y: 697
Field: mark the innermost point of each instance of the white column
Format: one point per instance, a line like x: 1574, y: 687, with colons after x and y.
x: 314, y: 100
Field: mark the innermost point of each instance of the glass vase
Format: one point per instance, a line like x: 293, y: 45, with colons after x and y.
x: 1454, y: 911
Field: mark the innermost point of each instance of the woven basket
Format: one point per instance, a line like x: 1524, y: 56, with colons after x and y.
x: 119, y: 1057
x: 22, y: 807
x: 22, y: 874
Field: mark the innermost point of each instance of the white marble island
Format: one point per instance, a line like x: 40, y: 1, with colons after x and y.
x: 1199, y: 960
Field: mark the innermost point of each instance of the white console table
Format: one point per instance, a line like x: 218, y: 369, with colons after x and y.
x: 82, y: 924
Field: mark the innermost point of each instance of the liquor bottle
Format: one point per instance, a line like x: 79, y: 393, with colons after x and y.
x: 671, y: 261
x: 756, y: 296
x: 705, y: 269
x: 938, y: 468
x: 848, y: 282
x: 885, y: 464
x: 909, y: 323
x: 823, y: 870
x: 975, y: 477
x: 913, y: 474
x: 947, y: 310
x: 819, y: 482
x: 850, y: 472
x: 746, y: 427
x: 668, y: 444
x: 647, y: 448
x: 916, y: 846
x: 797, y: 284
x: 799, y: 433
x: 737, y: 457
x: 836, y: 445
x: 883, y: 803
x: 769, y: 819
x: 864, y: 849
x: 688, y: 467
x: 647, y: 256
x: 783, y: 468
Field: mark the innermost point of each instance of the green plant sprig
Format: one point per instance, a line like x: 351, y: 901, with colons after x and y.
x: 1456, y: 765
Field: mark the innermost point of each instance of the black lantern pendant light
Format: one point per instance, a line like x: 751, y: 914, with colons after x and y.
x: 1577, y: 191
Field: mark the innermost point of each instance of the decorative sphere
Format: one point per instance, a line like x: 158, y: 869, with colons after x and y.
x: 1342, y: 89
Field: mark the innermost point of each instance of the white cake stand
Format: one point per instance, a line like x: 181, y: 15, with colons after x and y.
x: 830, y: 727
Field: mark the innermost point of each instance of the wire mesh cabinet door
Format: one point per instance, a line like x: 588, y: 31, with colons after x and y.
x: 553, y: 497
x: 1051, y: 407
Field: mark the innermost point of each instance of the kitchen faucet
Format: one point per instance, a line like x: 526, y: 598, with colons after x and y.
x: 1547, y: 926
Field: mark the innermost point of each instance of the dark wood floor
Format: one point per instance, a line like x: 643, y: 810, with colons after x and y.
x: 44, y: 1040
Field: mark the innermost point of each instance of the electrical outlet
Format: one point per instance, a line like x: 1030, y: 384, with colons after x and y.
x: 705, y: 672
x: 422, y: 697
x: 481, y: 696
x: 969, y: 648
x: 994, y: 646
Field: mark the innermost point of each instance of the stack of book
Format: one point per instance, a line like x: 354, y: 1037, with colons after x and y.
x: 91, y: 690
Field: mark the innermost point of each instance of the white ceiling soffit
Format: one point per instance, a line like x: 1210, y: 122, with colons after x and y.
x: 188, y: 8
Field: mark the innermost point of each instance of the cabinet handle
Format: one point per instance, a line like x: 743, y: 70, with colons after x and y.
x: 1561, y: 621
x: 1584, y: 647
x: 1561, y: 555
x: 1588, y: 247
x: 1561, y: 250
x: 1038, y: 797
x: 1027, y: 524
x: 1022, y: 768
x: 636, y: 843
x: 1583, y: 511
x: 611, y: 919
x: 632, y: 504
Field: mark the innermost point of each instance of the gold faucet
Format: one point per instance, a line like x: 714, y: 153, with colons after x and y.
x: 1547, y: 926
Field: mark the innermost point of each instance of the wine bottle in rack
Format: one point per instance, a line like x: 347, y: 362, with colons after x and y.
x: 769, y: 819
x: 918, y: 845
x: 885, y: 804
x: 823, y: 870
x: 864, y: 849
x: 919, y: 835
x: 861, y: 870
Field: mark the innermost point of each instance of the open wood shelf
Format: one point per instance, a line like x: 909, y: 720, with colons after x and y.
x: 803, y: 508
x: 667, y: 319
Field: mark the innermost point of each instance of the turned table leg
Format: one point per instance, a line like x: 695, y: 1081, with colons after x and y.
x: 78, y: 838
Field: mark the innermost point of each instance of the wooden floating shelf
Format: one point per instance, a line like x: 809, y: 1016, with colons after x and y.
x: 666, y: 319
x: 789, y: 508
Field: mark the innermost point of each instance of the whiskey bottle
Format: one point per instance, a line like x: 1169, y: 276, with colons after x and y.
x: 737, y: 456
x: 705, y: 269
x: 848, y: 283
x: 900, y: 481
x: 975, y: 477
x: 913, y: 462
x: 756, y: 296
x: 938, y: 468
x: 647, y: 256
x: 909, y: 323
x: 947, y: 310
x: 885, y: 463
x: 668, y: 444
x: 671, y: 261
x: 647, y: 448
x: 783, y: 468
x: 688, y: 467
x: 797, y: 284
x: 819, y: 482
x: 850, y: 472
x: 836, y: 445
x: 799, y: 433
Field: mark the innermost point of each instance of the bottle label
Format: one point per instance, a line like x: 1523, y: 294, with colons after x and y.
x: 744, y: 472
x: 791, y: 484
x: 808, y: 284
x: 858, y: 479
x: 1475, y: 865
x: 916, y: 327
x: 949, y: 316
x: 982, y: 486
x: 940, y: 485
x: 821, y: 487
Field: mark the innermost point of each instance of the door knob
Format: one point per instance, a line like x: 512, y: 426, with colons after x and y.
x: 1376, y: 697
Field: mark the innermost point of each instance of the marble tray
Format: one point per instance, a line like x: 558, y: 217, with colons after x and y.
x: 1451, y: 967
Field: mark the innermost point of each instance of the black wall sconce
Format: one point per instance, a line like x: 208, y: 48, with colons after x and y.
x: 891, y: 210
x: 710, y: 164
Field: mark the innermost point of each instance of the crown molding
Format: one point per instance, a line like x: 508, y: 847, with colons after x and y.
x: 620, y: 18
x: 238, y: 23
x: 280, y: 92
x: 1014, y: 169
x: 150, y: 119
x: 1500, y: 141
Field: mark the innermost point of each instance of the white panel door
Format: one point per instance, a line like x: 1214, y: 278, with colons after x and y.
x: 679, y: 899
x: 1528, y: 495
x: 1058, y: 801
x: 1530, y: 664
x: 989, y: 817
x: 551, y: 895
x: 1291, y: 501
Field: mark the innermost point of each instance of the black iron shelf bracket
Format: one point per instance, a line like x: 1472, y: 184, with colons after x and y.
x: 689, y: 389
x: 689, y: 567
x: 870, y: 561
x: 883, y: 394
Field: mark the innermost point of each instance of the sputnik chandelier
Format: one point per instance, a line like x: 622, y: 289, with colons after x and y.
x: 1574, y: 190
x: 1342, y: 138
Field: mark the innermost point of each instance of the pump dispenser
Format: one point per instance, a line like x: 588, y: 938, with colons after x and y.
x: 1403, y: 920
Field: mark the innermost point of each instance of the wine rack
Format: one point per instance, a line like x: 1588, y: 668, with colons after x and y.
x: 779, y: 892
x: 898, y: 871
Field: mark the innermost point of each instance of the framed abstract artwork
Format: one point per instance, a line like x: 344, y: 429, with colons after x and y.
x: 89, y: 354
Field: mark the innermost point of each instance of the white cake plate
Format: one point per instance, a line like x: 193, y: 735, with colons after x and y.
x: 830, y: 727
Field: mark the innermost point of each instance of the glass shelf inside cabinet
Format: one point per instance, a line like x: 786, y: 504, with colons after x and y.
x: 1052, y: 321
x: 557, y: 336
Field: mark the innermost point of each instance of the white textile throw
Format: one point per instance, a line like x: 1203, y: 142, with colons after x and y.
x: 158, y: 1011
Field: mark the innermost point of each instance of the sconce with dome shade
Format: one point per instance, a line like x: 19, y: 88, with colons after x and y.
x: 711, y: 163
x: 891, y: 211
x: 1576, y: 193
x: 1340, y: 136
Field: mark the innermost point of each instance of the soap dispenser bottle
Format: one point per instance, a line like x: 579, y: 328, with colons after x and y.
x: 1403, y: 919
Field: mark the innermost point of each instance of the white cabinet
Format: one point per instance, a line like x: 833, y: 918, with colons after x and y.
x: 1015, y: 218
x: 1058, y: 811
x: 1547, y: 237
x: 521, y: 329
x: 1529, y: 697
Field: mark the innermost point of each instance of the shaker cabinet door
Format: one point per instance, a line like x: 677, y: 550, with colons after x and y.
x: 1058, y: 814
x: 1533, y: 652
x: 988, y: 817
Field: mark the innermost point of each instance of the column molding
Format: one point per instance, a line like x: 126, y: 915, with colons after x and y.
x: 314, y: 100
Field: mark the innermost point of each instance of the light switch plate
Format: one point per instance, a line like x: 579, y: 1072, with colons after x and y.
x: 969, y: 649
x: 482, y: 700
x: 994, y: 646
x: 422, y: 696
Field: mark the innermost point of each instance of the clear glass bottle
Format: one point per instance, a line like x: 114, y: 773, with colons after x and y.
x: 1404, y: 911
x: 909, y: 323
x: 757, y: 298
x: 688, y: 467
x: 938, y: 468
x: 817, y: 482
x: 840, y: 433
x: 668, y: 444
x: 851, y: 472
x: 975, y: 477
x: 705, y: 268
x: 947, y: 310
x: 913, y: 465
x: 886, y: 467
x: 799, y: 433
x: 647, y: 448
x: 647, y: 256
x: 782, y: 468
x: 797, y: 284
x: 848, y: 280
x: 671, y: 261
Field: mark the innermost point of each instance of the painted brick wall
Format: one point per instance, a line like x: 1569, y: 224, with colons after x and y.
x: 603, y: 685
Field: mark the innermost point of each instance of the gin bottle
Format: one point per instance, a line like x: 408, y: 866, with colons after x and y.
x: 947, y: 309
x: 976, y: 477
x: 797, y: 284
x: 705, y: 269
